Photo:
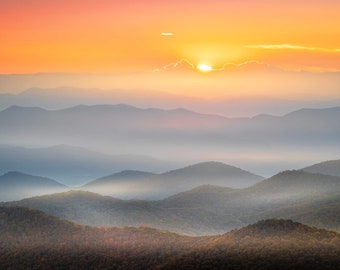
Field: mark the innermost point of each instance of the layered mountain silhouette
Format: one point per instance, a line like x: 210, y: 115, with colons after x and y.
x: 331, y: 167
x: 93, y: 209
x: 123, y: 176
x: 161, y: 133
x: 127, y: 184
x: 63, y: 97
x: 49, y: 242
x: 75, y: 166
x: 309, y: 198
x: 137, y: 184
x: 17, y: 185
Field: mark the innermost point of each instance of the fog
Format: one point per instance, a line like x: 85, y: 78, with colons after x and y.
x: 263, y: 144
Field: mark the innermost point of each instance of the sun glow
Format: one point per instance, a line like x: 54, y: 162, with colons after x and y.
x: 204, y: 68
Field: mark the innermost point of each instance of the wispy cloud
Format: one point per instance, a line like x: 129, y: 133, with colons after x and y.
x: 245, y: 63
x: 221, y: 68
x: 176, y: 64
x: 226, y: 66
x: 291, y: 47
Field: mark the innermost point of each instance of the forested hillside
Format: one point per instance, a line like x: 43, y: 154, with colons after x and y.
x: 31, y: 239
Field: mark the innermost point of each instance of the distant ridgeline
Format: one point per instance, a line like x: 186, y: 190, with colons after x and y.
x: 165, y: 134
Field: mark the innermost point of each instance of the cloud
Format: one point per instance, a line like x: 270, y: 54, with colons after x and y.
x: 227, y: 65
x: 223, y: 67
x: 167, y: 34
x: 291, y: 47
x: 176, y: 64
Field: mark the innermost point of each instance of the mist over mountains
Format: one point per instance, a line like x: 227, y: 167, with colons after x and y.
x: 161, y: 135
x: 132, y: 184
x: 331, y: 167
x: 264, y: 144
x: 75, y: 166
x: 247, y: 106
x: 130, y: 165
x: 144, y: 185
x: 18, y: 185
x: 305, y: 197
x: 152, y: 186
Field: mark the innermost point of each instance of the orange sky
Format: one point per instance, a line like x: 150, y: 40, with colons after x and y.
x: 110, y: 36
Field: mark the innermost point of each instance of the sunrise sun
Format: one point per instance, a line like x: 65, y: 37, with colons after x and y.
x: 204, y: 68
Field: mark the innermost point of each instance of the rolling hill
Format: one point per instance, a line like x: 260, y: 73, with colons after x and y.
x: 309, y: 198
x: 17, y: 185
x: 93, y: 209
x: 213, y: 173
x: 125, y: 184
x: 143, y: 185
x: 50, y: 243
x: 305, y: 197
x: 331, y: 167
x: 267, y: 244
x: 123, y: 176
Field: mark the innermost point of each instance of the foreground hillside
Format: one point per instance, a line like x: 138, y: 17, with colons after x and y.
x: 267, y: 244
x: 31, y: 239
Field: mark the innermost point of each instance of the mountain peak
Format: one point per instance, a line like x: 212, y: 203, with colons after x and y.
x: 126, y: 176
x: 209, y: 167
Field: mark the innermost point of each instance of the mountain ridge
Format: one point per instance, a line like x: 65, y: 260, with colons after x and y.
x: 171, y: 182
x: 206, y: 209
x: 74, y: 165
x: 48, y: 242
x: 17, y: 185
x: 331, y: 167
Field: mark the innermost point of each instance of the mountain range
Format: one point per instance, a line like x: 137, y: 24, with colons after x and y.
x: 126, y: 184
x: 267, y: 141
x: 130, y: 184
x: 63, y: 97
x: 51, y: 243
x: 305, y: 197
x: 137, y: 184
x: 74, y: 166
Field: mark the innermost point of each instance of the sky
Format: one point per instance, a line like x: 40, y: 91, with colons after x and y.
x: 234, y: 54
x: 73, y: 36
